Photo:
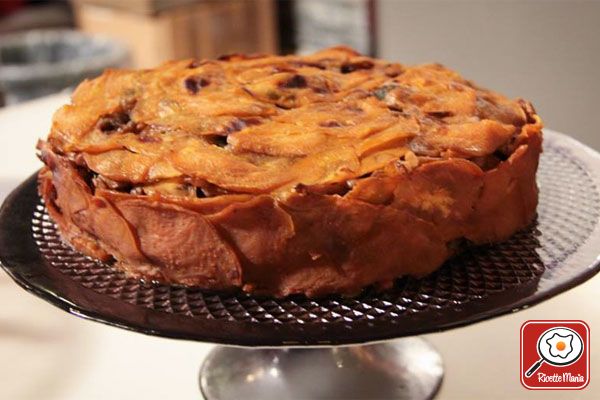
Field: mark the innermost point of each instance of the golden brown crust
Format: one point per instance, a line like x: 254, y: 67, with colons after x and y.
x: 280, y: 175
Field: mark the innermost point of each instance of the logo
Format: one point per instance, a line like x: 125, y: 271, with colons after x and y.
x: 555, y: 354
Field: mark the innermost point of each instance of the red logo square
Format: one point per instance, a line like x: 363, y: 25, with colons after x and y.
x: 555, y: 354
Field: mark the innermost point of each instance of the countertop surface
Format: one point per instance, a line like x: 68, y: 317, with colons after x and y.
x: 47, y: 353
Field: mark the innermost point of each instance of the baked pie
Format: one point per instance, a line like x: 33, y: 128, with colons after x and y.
x: 280, y: 175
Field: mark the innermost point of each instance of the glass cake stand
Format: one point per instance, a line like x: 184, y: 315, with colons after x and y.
x: 298, y: 348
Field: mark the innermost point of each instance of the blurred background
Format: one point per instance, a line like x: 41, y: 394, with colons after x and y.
x: 546, y: 51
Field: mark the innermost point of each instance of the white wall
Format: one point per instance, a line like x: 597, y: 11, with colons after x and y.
x: 545, y: 51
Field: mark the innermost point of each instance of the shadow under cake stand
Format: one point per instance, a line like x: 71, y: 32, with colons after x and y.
x: 293, y: 348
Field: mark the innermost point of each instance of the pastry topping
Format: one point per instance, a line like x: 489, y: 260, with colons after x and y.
x: 193, y: 84
x: 269, y: 123
x: 440, y: 114
x: 295, y: 82
x: 355, y: 66
x: 330, y: 124
x: 116, y: 122
x: 193, y: 64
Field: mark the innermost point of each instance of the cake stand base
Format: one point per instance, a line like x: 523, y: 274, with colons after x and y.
x: 408, y: 368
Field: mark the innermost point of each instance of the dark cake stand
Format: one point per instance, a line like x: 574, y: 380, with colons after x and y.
x: 304, y: 358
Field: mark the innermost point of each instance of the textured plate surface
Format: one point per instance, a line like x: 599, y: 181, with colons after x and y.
x: 558, y: 252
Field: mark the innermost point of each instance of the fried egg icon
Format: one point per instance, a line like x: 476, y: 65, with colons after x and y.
x: 560, y: 346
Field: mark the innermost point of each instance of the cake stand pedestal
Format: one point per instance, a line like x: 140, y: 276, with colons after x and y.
x: 559, y: 251
x: 408, y: 368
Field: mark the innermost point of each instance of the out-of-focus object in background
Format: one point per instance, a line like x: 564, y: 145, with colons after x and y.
x: 159, y: 30
x: 41, y: 62
x: 21, y: 15
x: 322, y: 24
